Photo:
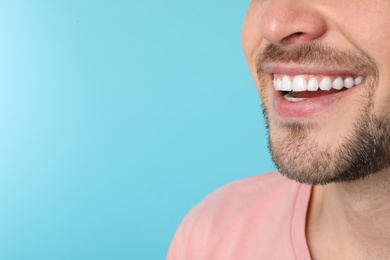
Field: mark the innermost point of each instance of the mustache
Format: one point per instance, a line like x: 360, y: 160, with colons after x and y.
x: 317, y: 54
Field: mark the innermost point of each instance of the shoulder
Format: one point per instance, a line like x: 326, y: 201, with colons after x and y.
x: 257, y: 194
x: 238, y: 211
x: 263, y: 184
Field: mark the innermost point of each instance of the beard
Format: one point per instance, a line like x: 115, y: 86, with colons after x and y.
x: 299, y: 156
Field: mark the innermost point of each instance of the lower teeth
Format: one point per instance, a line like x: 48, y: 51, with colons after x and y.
x: 291, y: 96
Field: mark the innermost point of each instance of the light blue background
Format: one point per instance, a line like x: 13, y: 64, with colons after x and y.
x: 116, y: 117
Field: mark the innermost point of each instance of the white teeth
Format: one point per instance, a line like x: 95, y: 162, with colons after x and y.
x: 358, y: 80
x: 349, y: 82
x: 286, y: 84
x: 326, y: 83
x: 276, y: 86
x: 338, y: 83
x: 293, y: 99
x: 312, y: 85
x: 299, y: 84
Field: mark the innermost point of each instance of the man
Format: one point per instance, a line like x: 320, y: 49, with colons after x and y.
x: 322, y: 68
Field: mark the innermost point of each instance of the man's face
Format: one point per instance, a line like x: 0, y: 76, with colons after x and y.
x: 340, y: 132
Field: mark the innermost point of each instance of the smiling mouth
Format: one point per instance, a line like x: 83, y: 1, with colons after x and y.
x: 296, y: 88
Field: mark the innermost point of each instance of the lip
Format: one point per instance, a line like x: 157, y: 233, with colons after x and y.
x: 306, y: 70
x: 312, y: 106
x: 309, y: 107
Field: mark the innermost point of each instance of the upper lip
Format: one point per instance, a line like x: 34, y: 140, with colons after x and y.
x: 295, y: 69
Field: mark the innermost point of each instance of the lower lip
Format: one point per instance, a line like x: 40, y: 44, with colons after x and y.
x: 308, y: 107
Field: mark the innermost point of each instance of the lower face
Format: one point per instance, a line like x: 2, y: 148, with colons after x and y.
x: 323, y: 136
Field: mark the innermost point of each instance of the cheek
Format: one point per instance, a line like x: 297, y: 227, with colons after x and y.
x: 370, y: 34
x: 367, y: 29
x: 382, y: 95
x: 251, y: 39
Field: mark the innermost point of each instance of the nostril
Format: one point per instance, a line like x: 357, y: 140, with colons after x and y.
x: 293, y: 37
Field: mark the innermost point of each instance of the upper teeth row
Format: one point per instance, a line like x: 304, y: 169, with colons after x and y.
x: 299, y: 83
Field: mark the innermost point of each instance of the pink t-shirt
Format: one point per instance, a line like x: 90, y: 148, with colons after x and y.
x: 261, y: 217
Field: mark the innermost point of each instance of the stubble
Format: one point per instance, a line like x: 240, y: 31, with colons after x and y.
x: 299, y: 156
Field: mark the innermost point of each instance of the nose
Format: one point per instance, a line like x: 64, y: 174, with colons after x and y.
x: 287, y: 22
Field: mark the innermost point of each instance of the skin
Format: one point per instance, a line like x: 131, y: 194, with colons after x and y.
x: 346, y: 220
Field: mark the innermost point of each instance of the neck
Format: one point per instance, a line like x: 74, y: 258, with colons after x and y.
x: 352, y: 219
